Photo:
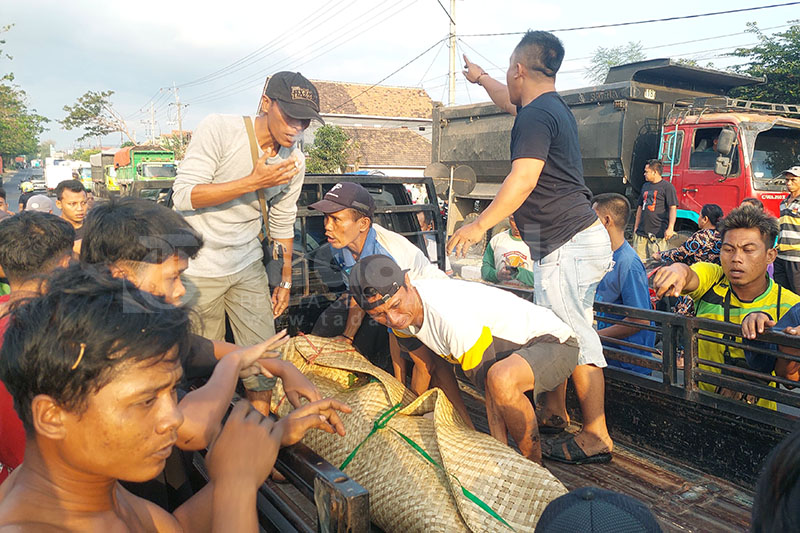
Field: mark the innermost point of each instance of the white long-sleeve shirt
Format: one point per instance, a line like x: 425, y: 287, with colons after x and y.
x: 220, y: 153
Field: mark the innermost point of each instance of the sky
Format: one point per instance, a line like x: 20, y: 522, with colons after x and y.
x: 218, y: 57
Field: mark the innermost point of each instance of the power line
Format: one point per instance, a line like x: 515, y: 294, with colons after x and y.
x: 446, y: 12
x: 618, y: 24
x: 334, y: 39
x: 390, y: 75
x: 265, y: 48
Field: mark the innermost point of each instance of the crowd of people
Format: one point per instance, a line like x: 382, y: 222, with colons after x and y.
x: 114, y: 356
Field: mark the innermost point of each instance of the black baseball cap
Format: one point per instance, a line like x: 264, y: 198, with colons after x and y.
x: 297, y: 96
x: 375, y: 275
x: 594, y: 510
x: 345, y: 195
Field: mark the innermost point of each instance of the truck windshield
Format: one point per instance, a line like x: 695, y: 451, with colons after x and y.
x: 159, y: 171
x: 775, y: 150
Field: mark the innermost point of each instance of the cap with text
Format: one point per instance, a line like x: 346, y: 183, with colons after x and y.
x: 296, y: 96
x: 375, y: 275
x: 346, y: 195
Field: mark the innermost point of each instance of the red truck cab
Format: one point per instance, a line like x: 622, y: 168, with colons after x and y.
x: 719, y: 151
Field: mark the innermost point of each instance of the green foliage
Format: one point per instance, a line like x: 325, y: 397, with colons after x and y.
x: 605, y: 58
x: 83, y: 154
x: 127, y: 143
x: 328, y: 154
x: 175, y: 143
x: 94, y: 113
x: 20, y: 126
x: 775, y: 57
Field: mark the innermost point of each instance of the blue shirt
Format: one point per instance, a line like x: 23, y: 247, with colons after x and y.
x: 626, y: 284
x: 344, y: 258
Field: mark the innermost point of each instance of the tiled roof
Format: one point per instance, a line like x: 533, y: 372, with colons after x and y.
x: 382, y: 101
x: 389, y: 146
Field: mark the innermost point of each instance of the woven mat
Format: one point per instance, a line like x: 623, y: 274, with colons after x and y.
x: 407, y: 492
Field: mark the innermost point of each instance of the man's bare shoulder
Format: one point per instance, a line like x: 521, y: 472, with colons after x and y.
x: 133, y: 514
x: 150, y: 515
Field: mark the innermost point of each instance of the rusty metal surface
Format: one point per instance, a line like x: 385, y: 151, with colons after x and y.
x: 683, y: 499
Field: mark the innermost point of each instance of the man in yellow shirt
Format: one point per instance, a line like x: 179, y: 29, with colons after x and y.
x: 739, y: 286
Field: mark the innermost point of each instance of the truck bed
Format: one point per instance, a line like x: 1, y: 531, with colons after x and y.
x: 683, y: 499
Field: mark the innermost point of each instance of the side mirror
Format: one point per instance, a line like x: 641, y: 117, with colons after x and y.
x: 723, y: 166
x: 726, y: 141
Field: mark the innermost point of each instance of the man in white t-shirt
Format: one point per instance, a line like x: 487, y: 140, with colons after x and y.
x: 507, y: 258
x: 506, y: 346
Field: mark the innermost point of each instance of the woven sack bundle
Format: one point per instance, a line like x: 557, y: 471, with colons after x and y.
x: 425, y: 470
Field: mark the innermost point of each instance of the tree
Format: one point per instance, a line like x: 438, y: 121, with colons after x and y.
x: 329, y: 152
x: 775, y: 57
x: 83, y: 154
x: 94, y: 113
x: 20, y: 126
x: 605, y: 58
x: 175, y: 143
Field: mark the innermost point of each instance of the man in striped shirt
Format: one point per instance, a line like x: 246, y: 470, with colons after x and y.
x: 787, y: 265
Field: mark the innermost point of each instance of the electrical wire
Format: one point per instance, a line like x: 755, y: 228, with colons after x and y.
x: 633, y: 23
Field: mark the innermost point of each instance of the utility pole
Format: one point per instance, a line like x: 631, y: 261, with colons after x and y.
x: 152, y: 123
x: 452, y: 80
x: 179, y: 105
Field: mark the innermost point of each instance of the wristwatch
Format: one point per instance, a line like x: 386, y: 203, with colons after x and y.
x: 285, y: 284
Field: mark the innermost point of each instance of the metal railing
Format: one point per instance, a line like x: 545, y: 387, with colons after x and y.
x: 680, y: 333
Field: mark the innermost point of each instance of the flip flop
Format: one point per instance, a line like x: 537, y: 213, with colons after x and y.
x: 568, y: 451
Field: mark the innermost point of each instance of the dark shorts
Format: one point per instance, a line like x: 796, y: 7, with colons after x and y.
x: 552, y: 362
x: 371, y: 339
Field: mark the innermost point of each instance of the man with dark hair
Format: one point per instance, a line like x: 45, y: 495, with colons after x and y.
x: 507, y: 346
x: 425, y: 219
x: 734, y: 289
x: 96, y: 391
x: 546, y: 193
x: 4, y: 212
x: 777, y: 492
x: 507, y: 259
x: 656, y: 212
x: 34, y: 244
x: 235, y: 168
x: 754, y: 202
x: 349, y: 209
x: 150, y: 246
x: 626, y: 284
x: 71, y: 199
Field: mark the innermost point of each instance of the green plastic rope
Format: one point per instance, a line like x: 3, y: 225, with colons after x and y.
x: 469, y: 495
x: 378, y: 424
x: 381, y: 422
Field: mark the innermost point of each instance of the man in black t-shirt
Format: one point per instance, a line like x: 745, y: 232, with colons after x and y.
x: 551, y: 204
x: 655, y: 212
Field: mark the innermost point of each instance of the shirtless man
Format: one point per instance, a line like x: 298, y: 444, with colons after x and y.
x: 96, y: 393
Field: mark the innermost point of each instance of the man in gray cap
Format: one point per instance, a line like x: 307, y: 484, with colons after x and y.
x: 349, y: 228
x: 39, y: 202
x: 234, y: 166
x: 787, y: 264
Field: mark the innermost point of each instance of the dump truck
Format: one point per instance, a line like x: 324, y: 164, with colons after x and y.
x: 715, y: 149
x: 145, y: 171
x: 102, y: 163
x: 141, y: 171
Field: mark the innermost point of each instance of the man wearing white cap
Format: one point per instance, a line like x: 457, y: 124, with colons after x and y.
x: 787, y: 264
